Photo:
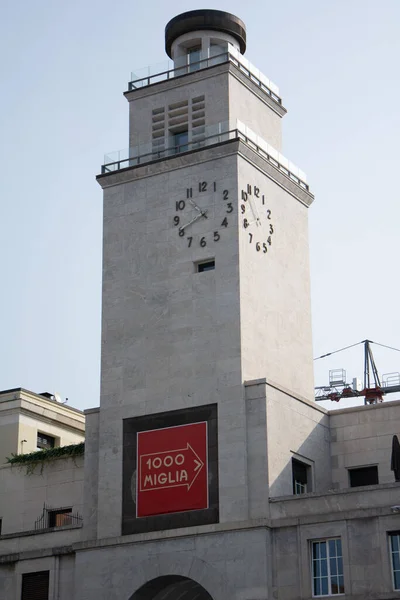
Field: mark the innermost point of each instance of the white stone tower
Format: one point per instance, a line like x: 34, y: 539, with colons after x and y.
x: 205, y: 287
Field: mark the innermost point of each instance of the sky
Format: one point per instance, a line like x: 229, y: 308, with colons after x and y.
x: 64, y: 68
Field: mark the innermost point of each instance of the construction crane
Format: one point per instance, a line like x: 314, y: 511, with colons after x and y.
x: 372, y: 388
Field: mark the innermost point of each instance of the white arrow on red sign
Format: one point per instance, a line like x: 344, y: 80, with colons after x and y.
x: 168, y: 469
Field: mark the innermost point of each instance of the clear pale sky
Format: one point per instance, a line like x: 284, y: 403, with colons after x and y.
x: 63, y: 70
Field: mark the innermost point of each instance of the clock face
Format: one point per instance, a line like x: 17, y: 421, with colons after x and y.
x: 206, y: 203
x: 256, y: 219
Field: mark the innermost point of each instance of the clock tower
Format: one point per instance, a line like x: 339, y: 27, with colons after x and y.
x: 206, y: 292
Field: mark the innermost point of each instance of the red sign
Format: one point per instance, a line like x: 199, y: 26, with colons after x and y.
x: 172, y: 470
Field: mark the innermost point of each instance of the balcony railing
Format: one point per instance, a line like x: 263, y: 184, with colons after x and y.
x: 183, y: 66
x: 213, y: 134
x: 53, y: 518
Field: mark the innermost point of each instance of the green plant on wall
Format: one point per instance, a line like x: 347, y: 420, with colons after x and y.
x: 40, y: 457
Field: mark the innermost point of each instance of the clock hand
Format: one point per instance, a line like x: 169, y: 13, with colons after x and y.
x: 202, y: 214
x: 255, y: 213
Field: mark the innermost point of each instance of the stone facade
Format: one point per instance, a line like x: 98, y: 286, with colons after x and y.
x: 263, y: 554
x: 24, y: 415
x: 231, y: 344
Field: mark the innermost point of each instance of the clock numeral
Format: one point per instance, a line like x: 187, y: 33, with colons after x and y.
x: 256, y: 191
x: 217, y: 237
x: 181, y: 233
x: 251, y: 237
x: 249, y: 189
x: 263, y: 199
x: 203, y: 242
x: 268, y: 214
x: 189, y: 193
x: 224, y: 223
x: 271, y: 229
x: 203, y: 186
x: 258, y: 246
x: 190, y: 239
x: 244, y: 196
x: 269, y: 241
x: 180, y: 205
x: 176, y: 221
x: 265, y: 249
x: 243, y: 208
x: 215, y: 186
x: 245, y: 223
x: 230, y: 207
x: 226, y: 194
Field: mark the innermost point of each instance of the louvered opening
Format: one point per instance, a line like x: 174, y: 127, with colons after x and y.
x: 35, y: 586
x: 178, y: 112
x: 198, y: 107
x: 177, y: 105
x: 183, y: 120
x: 198, y: 123
x: 158, y: 134
x: 158, y: 118
x: 158, y: 128
x: 198, y: 114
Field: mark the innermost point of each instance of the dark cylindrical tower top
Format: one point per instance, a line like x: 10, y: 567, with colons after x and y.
x: 194, y: 20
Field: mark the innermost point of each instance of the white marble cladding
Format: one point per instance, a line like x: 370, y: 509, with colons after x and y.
x: 361, y: 437
x: 229, y: 565
x: 226, y: 96
x: 58, y: 484
x: 275, y: 287
x: 171, y: 336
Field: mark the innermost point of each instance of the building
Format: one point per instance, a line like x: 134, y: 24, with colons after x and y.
x: 209, y: 471
x: 30, y: 422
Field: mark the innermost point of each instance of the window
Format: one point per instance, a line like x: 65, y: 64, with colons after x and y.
x: 301, y: 473
x: 327, y: 567
x: 194, y: 56
x: 180, y: 142
x: 45, y: 441
x: 395, y: 554
x: 35, y: 586
x: 363, y: 476
x: 59, y: 518
x: 206, y: 266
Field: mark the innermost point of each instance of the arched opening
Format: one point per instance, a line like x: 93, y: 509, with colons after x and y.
x: 171, y: 587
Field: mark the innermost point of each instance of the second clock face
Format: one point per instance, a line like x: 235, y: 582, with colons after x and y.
x: 206, y: 202
x: 257, y: 219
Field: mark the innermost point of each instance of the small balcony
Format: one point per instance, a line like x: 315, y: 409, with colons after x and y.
x: 213, y: 134
x: 185, y: 65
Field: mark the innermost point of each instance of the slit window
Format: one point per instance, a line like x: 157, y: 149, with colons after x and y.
x: 194, y: 57
x: 206, y: 266
x: 364, y: 476
x: 181, y: 141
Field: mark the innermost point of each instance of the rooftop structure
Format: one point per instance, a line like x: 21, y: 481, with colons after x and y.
x: 30, y: 421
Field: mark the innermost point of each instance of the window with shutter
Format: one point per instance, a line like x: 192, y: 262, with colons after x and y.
x: 35, y: 586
